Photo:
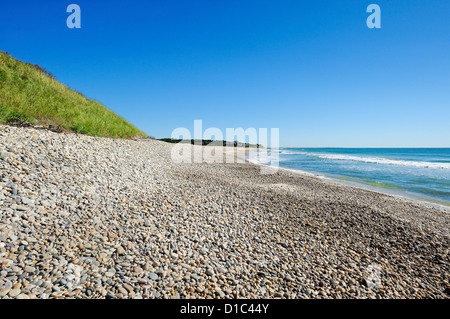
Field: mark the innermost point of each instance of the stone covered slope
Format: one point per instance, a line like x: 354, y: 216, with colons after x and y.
x: 87, y: 217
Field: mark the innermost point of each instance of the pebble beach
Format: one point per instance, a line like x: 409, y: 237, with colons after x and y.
x: 87, y: 217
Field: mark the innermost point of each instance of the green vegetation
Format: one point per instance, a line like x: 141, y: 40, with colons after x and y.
x: 28, y: 93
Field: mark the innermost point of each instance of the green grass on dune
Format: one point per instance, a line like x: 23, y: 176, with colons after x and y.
x: 28, y: 92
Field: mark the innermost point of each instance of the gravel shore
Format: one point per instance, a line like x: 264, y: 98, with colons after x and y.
x: 85, y: 217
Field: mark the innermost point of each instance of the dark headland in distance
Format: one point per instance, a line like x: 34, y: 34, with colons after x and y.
x: 211, y: 142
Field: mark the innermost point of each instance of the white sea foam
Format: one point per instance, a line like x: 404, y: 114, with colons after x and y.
x: 263, y: 157
x: 377, y: 160
x: 290, y: 152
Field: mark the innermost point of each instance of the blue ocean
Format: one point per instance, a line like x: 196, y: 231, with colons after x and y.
x: 421, y: 173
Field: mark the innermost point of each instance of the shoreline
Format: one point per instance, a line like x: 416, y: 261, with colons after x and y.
x: 86, y: 217
x: 417, y: 199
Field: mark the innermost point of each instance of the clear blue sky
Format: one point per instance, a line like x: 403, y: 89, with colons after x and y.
x: 310, y: 68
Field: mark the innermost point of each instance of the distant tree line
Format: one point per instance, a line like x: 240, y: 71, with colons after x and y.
x: 210, y: 142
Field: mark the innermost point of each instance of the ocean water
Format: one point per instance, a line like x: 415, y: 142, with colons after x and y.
x: 421, y: 173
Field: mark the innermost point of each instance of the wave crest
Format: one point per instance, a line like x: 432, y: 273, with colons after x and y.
x: 378, y: 160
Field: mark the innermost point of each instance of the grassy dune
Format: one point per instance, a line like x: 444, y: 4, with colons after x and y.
x: 28, y: 92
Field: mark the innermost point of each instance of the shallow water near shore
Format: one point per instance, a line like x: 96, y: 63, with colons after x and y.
x: 419, y: 173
